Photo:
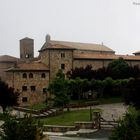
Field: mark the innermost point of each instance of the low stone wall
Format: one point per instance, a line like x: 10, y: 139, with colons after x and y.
x: 77, y: 126
x: 85, y: 125
x: 58, y: 128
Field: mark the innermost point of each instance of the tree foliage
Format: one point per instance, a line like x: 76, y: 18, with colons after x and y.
x: 82, y: 73
x: 60, y: 89
x: 129, y: 127
x: 8, y: 97
x: 23, y: 129
x: 78, y: 87
x: 132, y: 94
x: 117, y: 69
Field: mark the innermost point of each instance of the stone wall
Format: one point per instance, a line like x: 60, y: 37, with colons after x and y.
x: 96, y: 64
x: 17, y: 81
x: 56, y: 60
x: 3, y: 67
x: 26, y: 48
x: 44, y: 57
x: 133, y: 63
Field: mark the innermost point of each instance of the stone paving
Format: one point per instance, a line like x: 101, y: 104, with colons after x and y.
x: 112, y: 111
x: 109, y: 111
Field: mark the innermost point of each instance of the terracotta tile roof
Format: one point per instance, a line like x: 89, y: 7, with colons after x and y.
x: 8, y: 58
x: 34, y: 66
x: 138, y: 52
x: 76, y: 45
x: 105, y: 56
x: 55, y: 46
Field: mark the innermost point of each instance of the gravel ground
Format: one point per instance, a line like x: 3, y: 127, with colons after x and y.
x: 112, y: 111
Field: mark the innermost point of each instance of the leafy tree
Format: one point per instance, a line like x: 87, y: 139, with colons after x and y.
x: 82, y: 73
x: 117, y: 69
x: 101, y: 73
x: 78, y: 87
x: 8, y: 97
x: 134, y: 71
x: 23, y: 129
x: 132, y: 93
x: 60, y: 89
x: 129, y: 127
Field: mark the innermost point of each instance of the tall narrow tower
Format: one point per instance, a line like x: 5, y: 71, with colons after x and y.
x: 26, y: 48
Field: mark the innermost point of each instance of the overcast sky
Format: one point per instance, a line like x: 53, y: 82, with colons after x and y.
x: 116, y: 23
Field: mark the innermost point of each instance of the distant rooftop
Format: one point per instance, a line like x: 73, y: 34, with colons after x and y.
x: 8, y: 58
x: 33, y: 66
x: 105, y: 56
x: 75, y: 45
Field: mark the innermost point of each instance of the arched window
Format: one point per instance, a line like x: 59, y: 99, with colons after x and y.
x: 30, y: 75
x: 43, y: 75
x: 24, y: 75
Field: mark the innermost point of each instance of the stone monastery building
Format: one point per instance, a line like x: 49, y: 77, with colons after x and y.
x: 31, y: 76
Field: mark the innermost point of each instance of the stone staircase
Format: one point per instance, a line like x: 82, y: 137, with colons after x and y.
x: 105, y: 124
x: 35, y: 113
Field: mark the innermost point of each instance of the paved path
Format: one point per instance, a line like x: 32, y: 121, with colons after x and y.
x: 70, y: 138
x: 112, y: 111
x: 109, y: 111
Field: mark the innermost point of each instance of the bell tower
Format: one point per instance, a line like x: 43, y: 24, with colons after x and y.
x: 26, y: 48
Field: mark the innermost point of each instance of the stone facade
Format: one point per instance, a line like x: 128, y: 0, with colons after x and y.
x: 31, y: 76
x: 32, y: 87
x: 26, y: 48
x: 57, y: 59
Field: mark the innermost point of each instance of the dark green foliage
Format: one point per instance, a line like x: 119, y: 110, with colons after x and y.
x: 129, y: 127
x: 59, y: 88
x: 132, y: 94
x: 24, y: 129
x: 82, y: 73
x: 78, y: 87
x: 8, y: 97
x: 117, y: 69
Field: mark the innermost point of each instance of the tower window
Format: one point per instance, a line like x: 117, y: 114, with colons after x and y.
x: 24, y: 75
x: 43, y: 75
x: 62, y: 66
x: 33, y: 88
x: 24, y: 99
x: 30, y: 75
x: 62, y: 55
x: 27, y: 55
x: 24, y: 88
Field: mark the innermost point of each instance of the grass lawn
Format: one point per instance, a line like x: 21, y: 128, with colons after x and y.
x: 68, y: 118
x: 38, y: 106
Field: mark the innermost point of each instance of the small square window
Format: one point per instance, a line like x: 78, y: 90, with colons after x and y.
x: 62, y: 66
x: 62, y: 55
x: 24, y: 88
x: 24, y: 99
x: 44, y: 90
x: 32, y: 88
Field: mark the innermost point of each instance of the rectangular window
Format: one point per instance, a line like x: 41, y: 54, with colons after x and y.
x: 62, y: 66
x: 62, y: 55
x: 44, y: 90
x: 24, y: 99
x: 24, y: 88
x: 32, y: 88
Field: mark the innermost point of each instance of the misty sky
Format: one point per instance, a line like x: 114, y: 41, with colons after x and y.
x: 116, y: 23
